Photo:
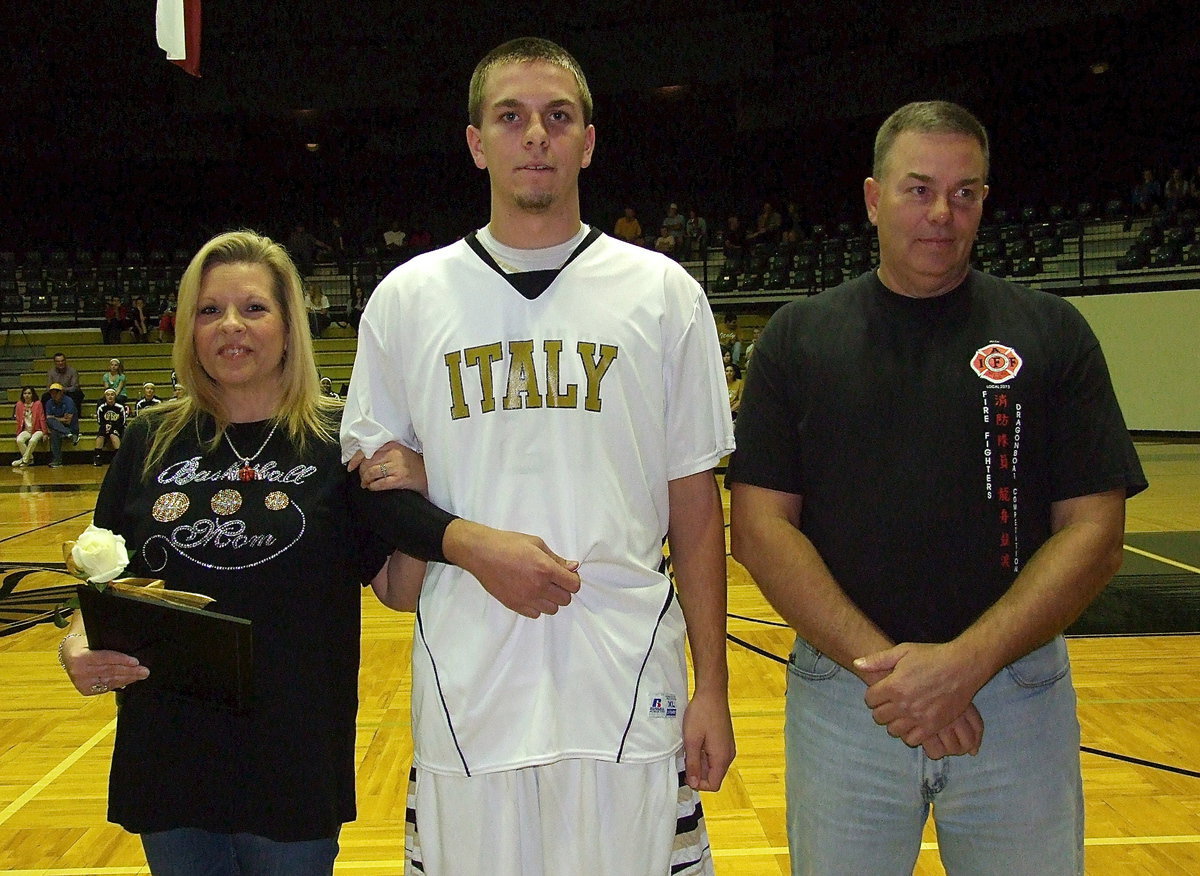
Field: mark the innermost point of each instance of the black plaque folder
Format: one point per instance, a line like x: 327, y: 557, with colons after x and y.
x: 191, y: 652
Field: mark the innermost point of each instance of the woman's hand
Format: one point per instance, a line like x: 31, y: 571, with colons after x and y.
x: 98, y: 672
x: 392, y: 467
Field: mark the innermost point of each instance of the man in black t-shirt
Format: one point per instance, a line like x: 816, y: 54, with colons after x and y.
x: 929, y: 486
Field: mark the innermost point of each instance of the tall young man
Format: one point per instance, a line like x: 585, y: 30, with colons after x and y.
x: 563, y: 383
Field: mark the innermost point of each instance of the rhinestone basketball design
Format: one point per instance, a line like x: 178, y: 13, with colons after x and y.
x: 169, y: 507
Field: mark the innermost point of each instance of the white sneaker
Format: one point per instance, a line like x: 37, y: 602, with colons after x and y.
x: 17, y: 463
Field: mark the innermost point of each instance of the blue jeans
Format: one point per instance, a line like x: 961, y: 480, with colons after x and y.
x: 858, y: 799
x: 58, y: 432
x: 189, y: 851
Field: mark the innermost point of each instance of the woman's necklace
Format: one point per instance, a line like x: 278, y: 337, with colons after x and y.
x: 246, y: 472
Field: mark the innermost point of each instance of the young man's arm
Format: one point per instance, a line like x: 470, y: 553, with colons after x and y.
x: 767, y: 540
x: 927, y: 682
x: 696, y: 535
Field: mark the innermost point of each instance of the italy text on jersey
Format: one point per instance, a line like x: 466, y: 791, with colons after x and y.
x: 534, y: 378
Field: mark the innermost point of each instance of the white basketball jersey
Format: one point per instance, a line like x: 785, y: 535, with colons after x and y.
x: 563, y: 416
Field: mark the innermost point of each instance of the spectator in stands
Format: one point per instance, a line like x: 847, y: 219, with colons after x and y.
x: 1175, y: 191
x: 114, y: 378
x: 317, y: 303
x: 735, y: 236
x: 628, y: 228
x: 302, y: 247
x: 727, y: 332
x: 116, y: 319
x: 733, y: 384
x: 750, y: 347
x: 355, y: 305
x: 420, y: 240
x: 63, y: 419
x: 393, y: 238
x: 1147, y: 194
x: 178, y: 392
x: 148, y: 399
x: 31, y: 426
x: 339, y: 244
x: 139, y: 323
x: 792, y: 222
x: 766, y: 226
x: 166, y: 322
x: 695, y: 235
x: 665, y: 242
x: 110, y: 425
x: 62, y: 373
x: 675, y: 224
x: 1194, y: 188
x: 327, y: 388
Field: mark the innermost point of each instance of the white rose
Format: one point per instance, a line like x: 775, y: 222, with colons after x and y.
x: 100, y: 554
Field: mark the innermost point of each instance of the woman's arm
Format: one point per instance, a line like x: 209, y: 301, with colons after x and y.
x: 398, y: 584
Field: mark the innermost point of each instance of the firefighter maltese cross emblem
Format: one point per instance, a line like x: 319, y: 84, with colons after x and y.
x: 996, y: 363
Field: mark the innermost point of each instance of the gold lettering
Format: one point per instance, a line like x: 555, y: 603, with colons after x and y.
x: 482, y: 358
x: 556, y: 397
x: 522, y: 377
x: 596, y: 368
x: 458, y: 398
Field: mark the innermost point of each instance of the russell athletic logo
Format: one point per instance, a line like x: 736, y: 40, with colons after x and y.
x: 996, y: 363
x: 663, y: 705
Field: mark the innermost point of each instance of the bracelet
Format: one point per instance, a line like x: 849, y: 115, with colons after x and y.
x: 61, y: 661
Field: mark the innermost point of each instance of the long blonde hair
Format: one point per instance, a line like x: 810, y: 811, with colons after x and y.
x: 303, y: 412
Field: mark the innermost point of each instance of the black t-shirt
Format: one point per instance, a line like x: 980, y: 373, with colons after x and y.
x: 929, y: 437
x: 284, y: 552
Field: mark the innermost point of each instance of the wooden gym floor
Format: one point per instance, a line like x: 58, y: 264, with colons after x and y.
x: 1139, y: 707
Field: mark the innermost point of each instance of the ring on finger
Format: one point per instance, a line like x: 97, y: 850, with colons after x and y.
x: 383, y: 469
x: 99, y: 687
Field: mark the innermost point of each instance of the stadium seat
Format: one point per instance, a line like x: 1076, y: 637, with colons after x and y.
x: 1048, y: 246
x: 750, y: 282
x: 777, y: 278
x: 1027, y: 267
x: 828, y: 277
x: 1179, y: 235
x: 1149, y: 236
x: 989, y: 249
x: 724, y: 284
x: 803, y: 278
x: 1135, y: 258
x: 1018, y: 249
x: 1165, y: 256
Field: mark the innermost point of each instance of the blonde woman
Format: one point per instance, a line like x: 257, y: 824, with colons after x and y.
x: 237, y: 490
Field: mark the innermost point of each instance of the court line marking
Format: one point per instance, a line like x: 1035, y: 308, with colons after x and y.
x: 40, y: 785
x: 45, y: 526
x: 1167, y: 560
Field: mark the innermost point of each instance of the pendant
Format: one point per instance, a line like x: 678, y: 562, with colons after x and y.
x: 247, y: 473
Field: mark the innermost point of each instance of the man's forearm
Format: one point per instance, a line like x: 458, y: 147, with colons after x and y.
x: 1059, y: 582
x: 696, y: 536
x: 794, y: 578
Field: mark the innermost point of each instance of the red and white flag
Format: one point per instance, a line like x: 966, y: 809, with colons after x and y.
x: 177, y: 23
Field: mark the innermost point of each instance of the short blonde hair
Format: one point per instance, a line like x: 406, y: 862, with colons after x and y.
x: 525, y: 50
x: 302, y: 411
